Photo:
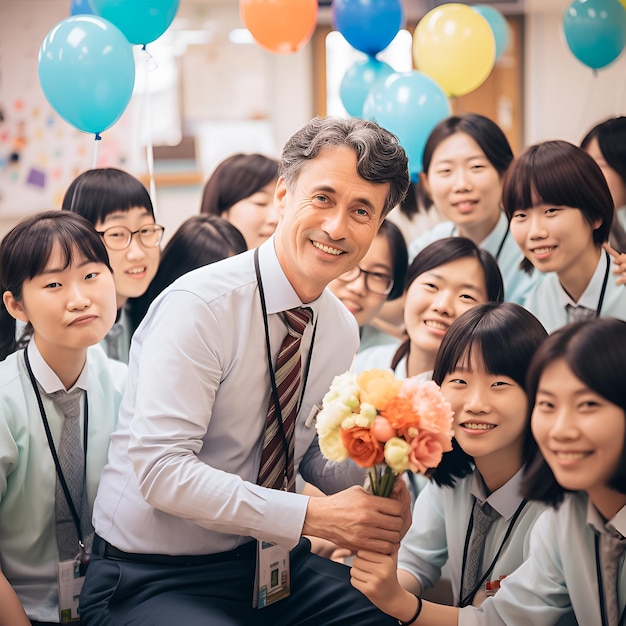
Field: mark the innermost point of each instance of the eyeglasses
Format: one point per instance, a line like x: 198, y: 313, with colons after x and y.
x: 119, y: 237
x: 375, y: 282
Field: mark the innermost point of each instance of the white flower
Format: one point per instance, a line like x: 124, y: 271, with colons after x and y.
x: 332, y: 447
x: 397, y: 454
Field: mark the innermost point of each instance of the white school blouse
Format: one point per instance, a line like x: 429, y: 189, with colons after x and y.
x: 559, y: 575
x: 548, y: 300
x: 517, y: 284
x: 438, y: 533
x: 183, y: 463
x: 28, y: 548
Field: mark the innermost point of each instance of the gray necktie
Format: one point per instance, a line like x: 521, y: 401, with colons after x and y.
x: 483, y: 516
x: 112, y: 341
x: 579, y: 313
x: 612, y: 545
x: 72, y: 461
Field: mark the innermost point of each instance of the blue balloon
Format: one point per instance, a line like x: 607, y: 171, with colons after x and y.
x: 499, y: 26
x: 368, y: 25
x: 410, y: 105
x: 80, y: 7
x: 358, y: 81
x: 595, y: 31
x: 87, y: 72
x: 142, y: 21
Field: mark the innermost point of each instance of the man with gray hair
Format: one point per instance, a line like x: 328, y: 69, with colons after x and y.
x: 196, y: 518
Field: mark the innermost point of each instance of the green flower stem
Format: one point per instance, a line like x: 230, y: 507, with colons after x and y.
x: 382, y: 480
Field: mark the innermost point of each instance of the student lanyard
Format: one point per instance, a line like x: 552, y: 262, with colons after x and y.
x: 275, y: 398
x: 603, y: 615
x: 53, y: 450
x: 500, y: 245
x: 467, y: 600
x: 604, y: 284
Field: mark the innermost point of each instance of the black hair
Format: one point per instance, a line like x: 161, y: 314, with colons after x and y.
x: 399, y: 256
x: 25, y: 252
x: 505, y: 337
x: 595, y: 352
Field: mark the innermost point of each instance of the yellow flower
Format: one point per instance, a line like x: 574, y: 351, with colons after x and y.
x: 397, y: 454
x: 378, y: 387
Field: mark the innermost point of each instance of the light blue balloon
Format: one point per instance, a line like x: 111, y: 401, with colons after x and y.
x: 358, y: 80
x: 368, y: 25
x: 410, y: 105
x: 87, y: 72
x: 498, y: 24
x: 142, y: 21
x: 595, y: 31
x: 80, y: 7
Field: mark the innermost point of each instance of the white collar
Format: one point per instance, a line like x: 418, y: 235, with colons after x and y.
x: 46, y: 376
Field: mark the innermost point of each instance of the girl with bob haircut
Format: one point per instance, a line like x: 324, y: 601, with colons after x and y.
x: 241, y: 191
x: 561, y: 213
x: 481, y: 368
x: 55, y: 278
x: 120, y: 210
x: 465, y: 160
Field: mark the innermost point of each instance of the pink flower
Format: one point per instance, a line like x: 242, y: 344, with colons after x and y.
x: 426, y: 451
x: 435, y: 413
x: 382, y: 429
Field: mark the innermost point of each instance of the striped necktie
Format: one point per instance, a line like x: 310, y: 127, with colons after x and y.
x: 276, y: 471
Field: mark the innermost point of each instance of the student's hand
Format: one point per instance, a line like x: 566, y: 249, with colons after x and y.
x: 619, y: 262
x: 375, y: 576
x: 355, y: 519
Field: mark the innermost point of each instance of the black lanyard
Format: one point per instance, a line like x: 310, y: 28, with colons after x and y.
x: 53, y: 450
x: 470, y: 596
x: 500, y: 245
x: 289, y: 462
x: 604, y: 284
x: 603, y: 615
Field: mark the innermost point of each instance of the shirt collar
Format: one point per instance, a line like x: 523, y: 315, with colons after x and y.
x: 279, y: 294
x: 46, y: 376
x: 591, y: 295
x: 618, y: 522
x: 504, y: 500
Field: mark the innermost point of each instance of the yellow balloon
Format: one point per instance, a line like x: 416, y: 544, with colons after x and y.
x: 455, y: 46
x: 623, y: 3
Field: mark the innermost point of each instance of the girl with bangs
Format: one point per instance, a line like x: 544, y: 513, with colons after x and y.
x: 472, y: 516
x: 561, y: 212
x: 55, y: 278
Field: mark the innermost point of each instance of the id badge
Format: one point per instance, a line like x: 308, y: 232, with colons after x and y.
x: 70, y: 579
x: 271, y: 582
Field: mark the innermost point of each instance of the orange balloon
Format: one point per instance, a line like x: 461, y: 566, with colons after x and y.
x: 281, y: 26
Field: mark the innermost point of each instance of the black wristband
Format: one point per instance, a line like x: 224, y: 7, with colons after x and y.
x: 417, y: 614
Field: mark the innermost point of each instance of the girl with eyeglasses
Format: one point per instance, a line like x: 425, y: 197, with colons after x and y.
x: 120, y: 209
x: 378, y: 278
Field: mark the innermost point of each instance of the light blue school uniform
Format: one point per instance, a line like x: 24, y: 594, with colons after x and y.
x: 116, y: 344
x: 28, y: 548
x: 559, y: 575
x: 548, y: 300
x: 500, y: 243
x: 371, y: 337
x: 440, y: 522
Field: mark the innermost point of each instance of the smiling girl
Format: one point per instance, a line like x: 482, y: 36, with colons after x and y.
x: 56, y: 279
x: 561, y: 213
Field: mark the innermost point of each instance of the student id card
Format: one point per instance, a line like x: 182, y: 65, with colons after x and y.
x: 70, y: 582
x: 271, y: 582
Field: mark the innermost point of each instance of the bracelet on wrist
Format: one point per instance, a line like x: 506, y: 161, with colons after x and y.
x: 417, y: 614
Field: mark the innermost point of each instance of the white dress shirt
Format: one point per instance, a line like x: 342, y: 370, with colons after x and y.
x: 183, y: 464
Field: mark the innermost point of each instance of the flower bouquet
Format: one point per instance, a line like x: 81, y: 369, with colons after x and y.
x: 385, y: 425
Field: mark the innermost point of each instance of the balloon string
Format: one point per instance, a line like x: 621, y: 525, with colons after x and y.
x: 150, y: 65
x: 95, y: 150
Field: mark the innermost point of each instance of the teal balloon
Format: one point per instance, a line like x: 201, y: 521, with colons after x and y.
x: 595, y: 31
x: 87, y: 72
x: 142, y: 21
x: 358, y: 81
x: 368, y: 25
x: 410, y: 105
x: 80, y: 7
x: 499, y: 26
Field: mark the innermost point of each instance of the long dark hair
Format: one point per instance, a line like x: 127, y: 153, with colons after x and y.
x: 595, y: 351
x: 199, y: 240
x: 505, y: 336
x: 235, y: 178
x: 445, y: 251
x: 25, y: 252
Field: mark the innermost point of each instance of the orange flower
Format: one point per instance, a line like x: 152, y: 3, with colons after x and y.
x: 363, y: 448
x: 399, y: 412
x: 378, y: 387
